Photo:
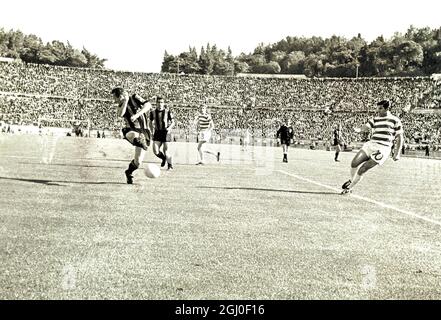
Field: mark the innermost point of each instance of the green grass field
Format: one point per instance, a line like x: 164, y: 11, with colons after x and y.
x: 249, y: 227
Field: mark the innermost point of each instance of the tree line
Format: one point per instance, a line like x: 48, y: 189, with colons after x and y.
x: 417, y: 52
x: 31, y: 49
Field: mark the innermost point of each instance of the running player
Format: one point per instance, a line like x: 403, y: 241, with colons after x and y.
x: 286, y: 133
x: 134, y: 110
x: 385, y: 129
x: 205, y: 125
x: 162, y: 121
x: 337, y: 143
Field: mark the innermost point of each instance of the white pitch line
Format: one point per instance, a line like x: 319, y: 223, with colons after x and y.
x: 378, y: 203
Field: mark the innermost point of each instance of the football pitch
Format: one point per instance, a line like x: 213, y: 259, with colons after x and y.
x: 248, y: 227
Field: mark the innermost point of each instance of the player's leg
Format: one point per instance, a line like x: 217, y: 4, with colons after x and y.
x: 360, y: 158
x: 135, y: 164
x: 157, y: 151
x: 337, y: 152
x: 201, y: 152
x: 206, y: 138
x: 209, y: 151
x: 167, y: 156
x: 365, y: 167
x: 135, y: 138
x: 285, y: 152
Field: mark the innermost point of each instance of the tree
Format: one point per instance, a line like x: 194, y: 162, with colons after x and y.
x: 241, y: 67
x: 271, y: 67
x: 46, y: 55
x: 206, y: 60
x: 188, y: 62
x: 223, y: 68
x: 93, y: 61
x: 314, y: 65
x: 293, y: 63
x: 407, y: 57
x: 31, y: 47
x: 168, y: 59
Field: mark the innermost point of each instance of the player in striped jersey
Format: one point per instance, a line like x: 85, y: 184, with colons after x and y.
x: 134, y: 110
x: 386, y: 128
x: 338, y: 142
x: 205, y: 125
x: 162, y: 121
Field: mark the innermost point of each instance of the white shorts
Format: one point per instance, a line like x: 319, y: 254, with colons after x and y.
x: 204, y: 136
x: 377, y: 152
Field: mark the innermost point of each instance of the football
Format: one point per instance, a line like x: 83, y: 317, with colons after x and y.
x: 152, y: 170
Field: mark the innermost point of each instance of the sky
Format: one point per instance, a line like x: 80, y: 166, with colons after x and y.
x: 133, y: 34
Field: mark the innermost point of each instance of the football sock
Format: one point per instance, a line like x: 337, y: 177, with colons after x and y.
x: 336, y: 155
x: 211, y: 152
x: 353, y: 172
x: 356, y: 180
x: 160, y: 155
x: 132, y: 167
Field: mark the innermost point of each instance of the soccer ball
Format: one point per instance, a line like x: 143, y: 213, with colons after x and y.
x: 152, y: 170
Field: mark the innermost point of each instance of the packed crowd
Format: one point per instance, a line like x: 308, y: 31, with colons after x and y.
x: 310, y: 124
x: 46, y: 110
x: 339, y: 94
x: 29, y: 93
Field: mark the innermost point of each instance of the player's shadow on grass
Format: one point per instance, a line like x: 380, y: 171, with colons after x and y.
x: 71, y: 165
x: 268, y: 190
x: 57, y: 182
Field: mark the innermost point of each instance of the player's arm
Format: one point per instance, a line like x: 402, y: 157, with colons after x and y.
x: 171, y: 121
x: 146, y: 107
x: 196, y: 124
x: 367, y: 127
x: 211, y: 125
x: 398, y: 145
x: 151, y: 120
x: 399, y: 140
x: 278, y: 132
x: 123, y: 106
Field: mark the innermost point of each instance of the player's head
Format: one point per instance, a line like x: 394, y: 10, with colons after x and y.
x: 118, y: 94
x: 203, y: 108
x: 383, y: 106
x: 160, y: 102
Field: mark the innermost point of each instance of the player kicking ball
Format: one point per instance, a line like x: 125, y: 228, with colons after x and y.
x: 385, y: 129
x: 134, y: 110
x: 205, y: 125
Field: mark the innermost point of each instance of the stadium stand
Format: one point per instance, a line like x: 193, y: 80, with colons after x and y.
x: 29, y: 92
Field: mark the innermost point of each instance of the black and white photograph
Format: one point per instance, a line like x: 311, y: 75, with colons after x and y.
x: 220, y: 151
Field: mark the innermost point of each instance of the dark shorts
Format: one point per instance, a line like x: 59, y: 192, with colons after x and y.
x: 161, y: 136
x: 145, y: 132
x: 337, y: 143
x: 285, y: 141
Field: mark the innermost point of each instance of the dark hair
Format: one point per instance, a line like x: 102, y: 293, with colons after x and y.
x: 384, y: 103
x: 158, y: 98
x: 117, y: 92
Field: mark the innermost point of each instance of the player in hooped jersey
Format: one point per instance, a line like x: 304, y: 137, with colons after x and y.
x: 205, y: 125
x: 162, y: 121
x: 386, y: 128
x: 134, y: 110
